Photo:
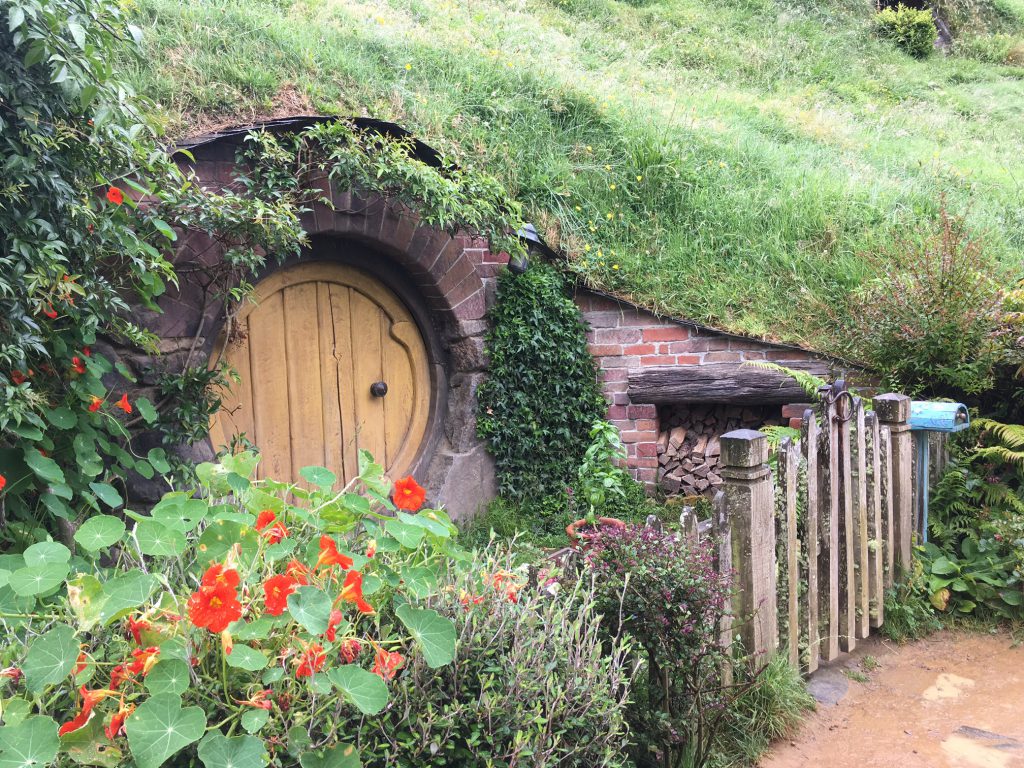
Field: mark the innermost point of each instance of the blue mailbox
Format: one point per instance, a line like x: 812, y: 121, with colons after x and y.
x: 929, y: 416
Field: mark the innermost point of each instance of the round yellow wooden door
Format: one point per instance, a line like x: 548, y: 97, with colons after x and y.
x: 331, y: 362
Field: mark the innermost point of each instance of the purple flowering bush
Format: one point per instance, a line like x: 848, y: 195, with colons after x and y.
x: 667, y: 594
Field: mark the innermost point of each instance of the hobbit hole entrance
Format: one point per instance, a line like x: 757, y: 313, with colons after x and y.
x: 330, y: 362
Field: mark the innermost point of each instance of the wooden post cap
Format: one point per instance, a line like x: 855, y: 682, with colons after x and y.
x: 892, y: 408
x: 744, y: 448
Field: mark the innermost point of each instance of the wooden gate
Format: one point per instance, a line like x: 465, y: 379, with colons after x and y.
x: 331, y: 362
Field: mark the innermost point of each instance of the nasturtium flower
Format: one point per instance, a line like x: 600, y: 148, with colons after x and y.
x: 145, y: 658
x: 18, y: 378
x: 123, y: 403
x: 387, y: 663
x: 329, y: 555
x: 118, y: 675
x: 115, y: 195
x: 408, y: 494
x: 116, y: 726
x: 12, y: 673
x: 310, y: 660
x: 350, y: 649
x: 135, y: 628
x: 77, y: 365
x: 259, y: 700
x: 332, y: 625
x: 352, y: 591
x: 80, y: 664
x: 276, y: 530
x: 371, y: 548
x: 227, y: 643
x: 95, y: 403
x: 275, y: 593
x: 89, y: 700
x: 3, y: 482
x: 265, y: 518
x: 87, y: 351
x: 297, y: 571
x: 215, y: 604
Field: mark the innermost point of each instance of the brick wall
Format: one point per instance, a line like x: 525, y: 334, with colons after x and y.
x: 624, y: 337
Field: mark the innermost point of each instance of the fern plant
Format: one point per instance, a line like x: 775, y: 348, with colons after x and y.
x: 808, y: 382
x: 1009, y: 445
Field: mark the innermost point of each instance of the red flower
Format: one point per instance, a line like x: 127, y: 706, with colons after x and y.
x: 145, y: 658
x: 123, y: 403
x: 371, y: 548
x: 215, y: 604
x: 227, y: 643
x: 3, y: 482
x: 50, y: 312
x: 408, y: 494
x: 115, y: 195
x: 258, y: 700
x: 18, y: 378
x: 14, y: 673
x: 311, y: 660
x: 276, y: 590
x: 350, y: 649
x: 386, y: 664
x: 297, y: 571
x: 352, y: 591
x: 95, y: 403
x: 329, y: 555
x: 275, y: 532
x: 468, y: 600
x: 116, y: 727
x: 77, y: 366
x: 89, y: 700
x: 136, y: 628
x: 265, y: 518
x: 332, y: 625
x: 118, y: 675
x: 87, y: 351
x: 80, y: 663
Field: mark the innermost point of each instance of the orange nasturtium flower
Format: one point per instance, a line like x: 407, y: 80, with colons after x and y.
x: 136, y: 627
x: 95, y: 403
x: 311, y: 660
x: 89, y: 700
x: 259, y: 700
x: 123, y: 403
x: 297, y: 571
x: 276, y: 590
x: 115, y: 195
x: 116, y: 727
x: 329, y: 555
x: 333, y: 621
x: 276, y: 530
x: 145, y: 658
x: 408, y: 495
x: 387, y: 663
x: 3, y: 482
x: 371, y: 548
x: 215, y: 604
x: 352, y: 591
x: 77, y: 365
x: 80, y: 663
x: 118, y: 675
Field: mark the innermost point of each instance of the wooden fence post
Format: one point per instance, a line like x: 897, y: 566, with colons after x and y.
x: 809, y: 446
x: 750, y: 509
x: 786, y: 487
x: 847, y: 536
x: 860, y: 519
x: 876, y: 534
x: 894, y: 412
x: 829, y: 523
x: 722, y: 532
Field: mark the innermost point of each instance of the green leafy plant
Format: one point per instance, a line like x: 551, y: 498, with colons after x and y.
x: 911, y: 29
x: 236, y: 624
x: 541, y: 396
x: 909, y: 615
x: 601, y: 476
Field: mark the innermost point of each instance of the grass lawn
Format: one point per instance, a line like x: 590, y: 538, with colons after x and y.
x: 728, y: 161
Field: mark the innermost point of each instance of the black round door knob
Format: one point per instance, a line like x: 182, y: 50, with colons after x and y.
x: 379, y: 388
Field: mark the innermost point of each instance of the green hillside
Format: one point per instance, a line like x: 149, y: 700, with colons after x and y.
x: 726, y: 160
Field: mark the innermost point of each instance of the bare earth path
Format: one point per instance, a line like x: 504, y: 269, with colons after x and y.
x: 954, y: 700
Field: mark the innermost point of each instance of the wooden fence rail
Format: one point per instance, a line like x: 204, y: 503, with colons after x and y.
x: 815, y: 544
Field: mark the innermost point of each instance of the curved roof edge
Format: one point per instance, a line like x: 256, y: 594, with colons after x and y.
x: 427, y: 154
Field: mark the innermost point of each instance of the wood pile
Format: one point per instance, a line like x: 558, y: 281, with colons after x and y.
x: 689, y: 446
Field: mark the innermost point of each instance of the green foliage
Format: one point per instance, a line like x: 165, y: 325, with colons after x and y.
x: 911, y: 29
x: 928, y: 325
x: 77, y: 253
x: 541, y: 396
x: 76, y: 622
x: 534, y: 680
x: 908, y: 613
x: 601, y: 478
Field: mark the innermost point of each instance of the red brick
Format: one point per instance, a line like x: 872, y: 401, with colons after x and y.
x: 604, y: 350
x: 657, y: 360
x: 645, y: 459
x: 638, y: 436
x: 617, y: 412
x: 648, y: 475
x: 649, y: 424
x: 640, y: 349
x: 689, y: 359
x: 620, y: 398
x: 617, y: 335
x: 796, y: 423
x: 667, y: 333
x: 722, y: 357
x: 794, y: 410
x: 793, y: 355
x: 753, y: 355
x: 604, y: 320
x: 623, y: 361
x: 615, y: 375
x: 642, y: 412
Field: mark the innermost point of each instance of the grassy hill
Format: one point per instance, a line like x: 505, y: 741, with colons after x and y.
x: 726, y: 160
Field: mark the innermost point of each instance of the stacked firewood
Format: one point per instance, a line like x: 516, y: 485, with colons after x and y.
x: 689, y: 446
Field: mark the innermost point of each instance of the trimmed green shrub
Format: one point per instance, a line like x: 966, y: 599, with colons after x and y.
x: 541, y: 397
x: 912, y: 30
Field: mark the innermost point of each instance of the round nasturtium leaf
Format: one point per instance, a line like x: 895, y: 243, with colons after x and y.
x: 339, y: 756
x: 50, y: 658
x: 254, y: 720
x: 33, y: 741
x: 319, y: 476
x: 220, y: 751
x: 159, y: 540
x: 107, y: 494
x: 433, y: 632
x: 168, y: 676
x: 45, y: 553
x: 125, y: 593
x: 99, y: 532
x: 161, y: 727
x: 365, y: 690
x: 38, y: 580
x: 310, y: 607
x: 244, y: 657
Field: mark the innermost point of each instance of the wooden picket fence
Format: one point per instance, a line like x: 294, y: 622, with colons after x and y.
x: 815, y: 544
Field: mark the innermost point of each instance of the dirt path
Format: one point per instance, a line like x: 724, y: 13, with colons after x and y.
x: 954, y: 700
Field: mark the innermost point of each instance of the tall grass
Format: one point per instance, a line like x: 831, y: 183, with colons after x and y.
x: 728, y: 161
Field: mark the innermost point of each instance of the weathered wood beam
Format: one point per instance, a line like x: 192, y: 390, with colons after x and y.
x: 730, y: 383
